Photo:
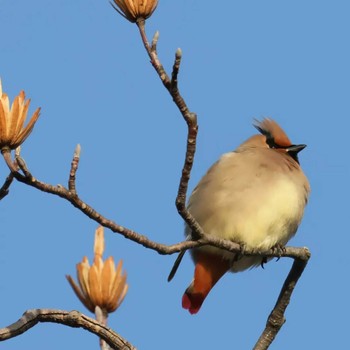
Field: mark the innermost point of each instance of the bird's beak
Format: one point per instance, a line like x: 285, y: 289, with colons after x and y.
x: 295, y: 148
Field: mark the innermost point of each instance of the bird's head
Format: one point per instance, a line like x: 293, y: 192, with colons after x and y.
x: 274, y: 137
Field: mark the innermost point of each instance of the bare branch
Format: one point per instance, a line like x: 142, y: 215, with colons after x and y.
x: 102, y: 317
x: 5, y: 188
x: 6, y: 153
x: 73, y: 170
x: 72, y: 319
x: 276, y: 319
x: 155, y: 41
x: 176, y: 68
x: 189, y: 117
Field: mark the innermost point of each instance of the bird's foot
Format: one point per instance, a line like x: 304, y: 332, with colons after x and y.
x: 263, y: 261
x: 279, y: 249
x: 239, y: 255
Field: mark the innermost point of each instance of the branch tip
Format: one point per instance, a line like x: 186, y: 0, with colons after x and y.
x: 155, y: 41
x: 178, y: 54
x: 18, y: 151
x: 77, y: 151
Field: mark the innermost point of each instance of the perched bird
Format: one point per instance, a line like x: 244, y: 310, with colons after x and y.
x: 254, y: 196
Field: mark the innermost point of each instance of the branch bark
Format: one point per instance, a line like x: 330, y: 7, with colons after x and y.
x: 5, y: 188
x: 190, y: 118
x: 72, y: 319
x: 276, y: 319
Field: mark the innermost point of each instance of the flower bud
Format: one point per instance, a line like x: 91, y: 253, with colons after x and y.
x: 134, y: 10
x: 12, y: 130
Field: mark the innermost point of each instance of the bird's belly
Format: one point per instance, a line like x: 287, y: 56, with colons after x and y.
x: 257, y: 220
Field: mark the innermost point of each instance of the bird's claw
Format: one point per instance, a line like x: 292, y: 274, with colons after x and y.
x: 279, y: 249
x: 263, y: 261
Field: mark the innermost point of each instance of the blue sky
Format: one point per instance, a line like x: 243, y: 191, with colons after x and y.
x: 86, y: 67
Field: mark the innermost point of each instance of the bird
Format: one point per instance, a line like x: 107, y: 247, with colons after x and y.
x: 254, y: 196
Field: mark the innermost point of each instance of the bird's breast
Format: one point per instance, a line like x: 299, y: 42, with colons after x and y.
x: 258, y: 212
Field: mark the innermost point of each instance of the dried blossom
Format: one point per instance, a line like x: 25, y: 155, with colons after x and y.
x: 134, y: 10
x: 102, y: 284
x: 12, y: 130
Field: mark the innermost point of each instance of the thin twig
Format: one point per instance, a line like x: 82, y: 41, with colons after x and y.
x: 176, y: 68
x: 189, y: 117
x: 155, y: 41
x: 102, y: 317
x: 276, y: 319
x: 5, y: 188
x: 23, y: 166
x: 73, y: 170
x: 6, y: 153
x: 75, y: 200
x: 152, y: 53
x: 72, y: 319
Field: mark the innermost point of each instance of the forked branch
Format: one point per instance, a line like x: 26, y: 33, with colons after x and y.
x: 191, y: 120
x: 276, y: 319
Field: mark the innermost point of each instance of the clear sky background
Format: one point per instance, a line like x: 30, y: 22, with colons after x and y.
x: 86, y: 67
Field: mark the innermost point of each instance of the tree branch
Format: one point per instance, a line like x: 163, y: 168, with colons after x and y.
x: 73, y: 170
x: 191, y: 120
x: 5, y: 188
x: 102, y: 317
x: 163, y: 249
x: 72, y: 319
x: 276, y: 319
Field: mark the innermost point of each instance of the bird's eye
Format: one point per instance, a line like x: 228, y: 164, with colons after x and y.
x: 271, y: 143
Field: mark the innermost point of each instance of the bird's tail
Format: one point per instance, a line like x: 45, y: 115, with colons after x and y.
x: 209, y: 269
x: 176, y: 265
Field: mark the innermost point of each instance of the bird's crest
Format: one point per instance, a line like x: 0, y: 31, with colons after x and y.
x: 273, y: 132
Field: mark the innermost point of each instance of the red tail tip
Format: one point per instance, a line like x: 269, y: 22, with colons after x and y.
x: 192, y: 302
